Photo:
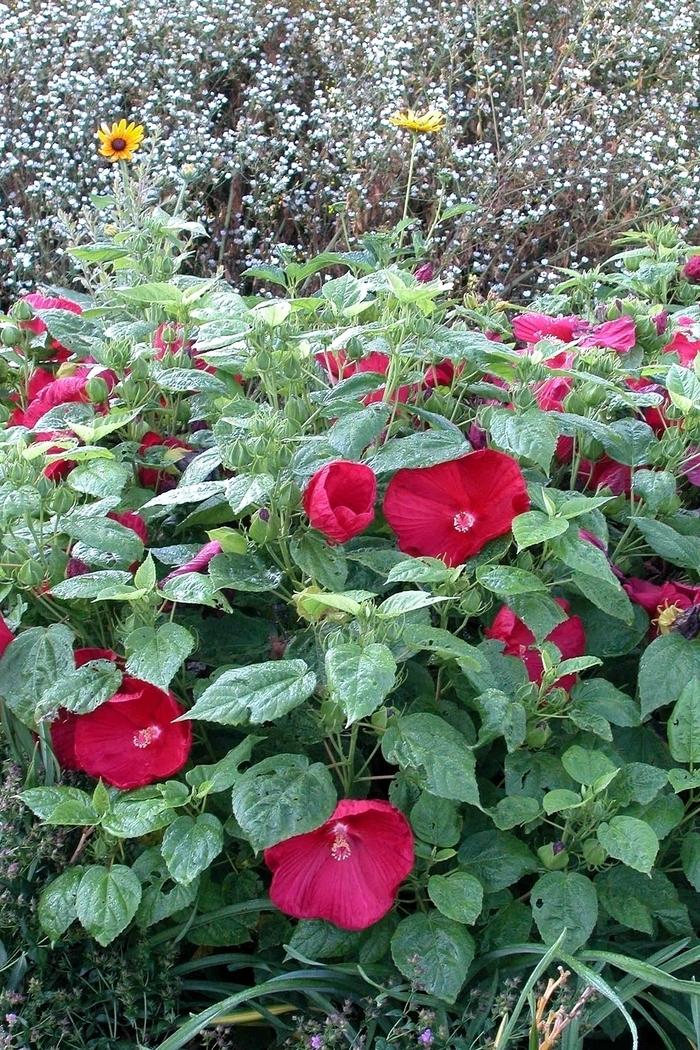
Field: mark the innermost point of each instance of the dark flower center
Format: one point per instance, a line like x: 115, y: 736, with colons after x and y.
x: 118, y: 144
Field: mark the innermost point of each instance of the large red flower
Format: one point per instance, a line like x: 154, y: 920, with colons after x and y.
x: 684, y: 346
x: 607, y: 473
x: 339, y: 499
x: 62, y: 391
x: 620, y: 335
x: 348, y: 870
x: 569, y: 638
x: 37, y: 301
x: 452, y: 510
x: 131, y: 740
x: 530, y: 328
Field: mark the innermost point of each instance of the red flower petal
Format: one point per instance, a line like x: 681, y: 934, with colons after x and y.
x: 451, y: 511
x: 6, y: 635
x: 347, y: 871
x: 568, y: 636
x: 530, y: 328
x: 339, y: 500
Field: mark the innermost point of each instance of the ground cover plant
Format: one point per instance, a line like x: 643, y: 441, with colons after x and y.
x: 567, y: 123
x: 350, y: 670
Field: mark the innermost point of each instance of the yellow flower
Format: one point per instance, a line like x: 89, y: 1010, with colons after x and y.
x: 121, y: 141
x: 667, y: 618
x: 421, y: 123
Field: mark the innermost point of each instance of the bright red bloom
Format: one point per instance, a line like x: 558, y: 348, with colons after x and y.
x: 620, y: 335
x: 129, y: 741
x: 339, y: 500
x: 441, y: 374
x: 66, y: 390
x: 551, y: 393
x: 6, y: 635
x: 663, y: 602
x: 348, y: 870
x: 131, y: 520
x: 159, y: 478
x: 568, y: 636
x: 530, y: 328
x: 340, y: 367
x: 452, y: 510
x: 691, y: 270
x: 686, y: 348
x: 37, y: 301
x: 175, y: 345
x: 607, y: 473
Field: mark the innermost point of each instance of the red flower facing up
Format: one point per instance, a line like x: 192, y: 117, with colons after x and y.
x: 684, y: 347
x: 663, y: 602
x: 530, y: 328
x: 131, y: 740
x: 159, y: 478
x: 348, y: 870
x: 339, y: 500
x: 569, y: 638
x: 452, y: 510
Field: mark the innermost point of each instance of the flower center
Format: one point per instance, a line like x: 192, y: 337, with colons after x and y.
x: 667, y: 617
x: 145, y: 737
x: 340, y: 850
x: 118, y: 144
x: 463, y: 521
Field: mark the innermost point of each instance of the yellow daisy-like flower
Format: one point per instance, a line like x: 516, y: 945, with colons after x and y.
x: 421, y: 123
x: 121, y: 141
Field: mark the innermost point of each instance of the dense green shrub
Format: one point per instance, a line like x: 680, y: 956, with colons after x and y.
x: 361, y: 542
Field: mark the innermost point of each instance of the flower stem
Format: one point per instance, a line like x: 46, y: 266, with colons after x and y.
x: 407, y: 198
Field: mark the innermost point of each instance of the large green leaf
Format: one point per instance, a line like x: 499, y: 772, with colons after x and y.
x: 255, y: 694
x: 360, y: 677
x: 190, y: 844
x: 667, y: 665
x: 434, y: 953
x: 33, y: 662
x: 459, y: 896
x: 684, y: 725
x: 564, y: 900
x: 57, y: 904
x: 436, y: 753
x: 107, y: 900
x: 630, y: 840
x: 155, y: 654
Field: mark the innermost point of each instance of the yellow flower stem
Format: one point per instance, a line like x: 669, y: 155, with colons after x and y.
x: 407, y: 198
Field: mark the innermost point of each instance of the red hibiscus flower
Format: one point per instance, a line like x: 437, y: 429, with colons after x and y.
x: 569, y: 638
x: 131, y: 740
x: 690, y: 467
x: 199, y: 562
x: 340, y: 367
x: 131, y: 520
x: 348, y: 870
x: 441, y: 374
x: 530, y: 328
x: 339, y: 500
x: 452, y: 510
x: 6, y: 635
x: 424, y: 272
x: 687, y: 349
x: 663, y: 602
x: 175, y: 342
x: 620, y: 335
x: 63, y: 391
x: 159, y: 478
x: 607, y: 473
x: 551, y: 393
x: 691, y: 270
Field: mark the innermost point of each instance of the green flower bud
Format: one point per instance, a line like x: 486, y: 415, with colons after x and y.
x: 538, y: 736
x: 553, y: 856
x: 11, y: 335
x: 97, y: 390
x: 21, y: 311
x: 62, y: 499
x: 593, y: 853
x: 263, y: 527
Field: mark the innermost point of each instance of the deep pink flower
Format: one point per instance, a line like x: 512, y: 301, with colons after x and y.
x: 683, y: 346
x: 172, y: 347
x: 663, y: 602
x: 424, y: 272
x: 6, y: 635
x: 339, y: 366
x: 452, y: 510
x: 654, y: 415
x: 531, y: 327
x: 441, y: 374
x: 550, y: 394
x: 339, y: 500
x: 568, y: 636
x: 346, y: 872
x: 690, y: 467
x: 607, y: 473
x: 199, y: 563
x: 66, y: 390
x: 620, y: 335
x: 691, y: 270
x: 131, y: 740
x: 660, y: 321
x: 131, y: 520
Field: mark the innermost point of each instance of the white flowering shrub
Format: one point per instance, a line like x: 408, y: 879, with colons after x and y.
x: 566, y: 122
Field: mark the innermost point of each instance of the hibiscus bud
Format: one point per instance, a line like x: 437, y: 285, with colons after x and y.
x: 21, y: 311
x: 62, y: 500
x: 424, y: 273
x: 263, y: 527
x: 11, y: 335
x: 553, y: 857
x: 169, y: 334
x: 691, y: 270
x: 538, y: 736
x: 593, y: 853
x: 339, y: 500
x: 96, y: 390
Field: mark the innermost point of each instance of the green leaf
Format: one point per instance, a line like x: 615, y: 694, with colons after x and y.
x: 506, y: 580
x: 351, y: 434
x: 684, y: 725
x: 196, y: 493
x: 630, y: 840
x: 82, y: 690
x: 359, y: 677
x: 407, y: 602
x: 31, y: 663
x: 107, y: 900
x: 458, y: 896
x: 635, y: 900
x: 496, y: 858
x: 531, y: 436
x: 90, y: 584
x: 99, y: 477
x: 436, y: 752
x: 155, y: 655
x: 594, y: 577
x: 137, y: 813
x: 61, y: 805
x: 57, y: 904
x: 192, y: 588
x: 190, y: 845
x: 562, y: 900
x: 316, y: 939
x: 343, y: 292
x: 281, y: 797
x: 255, y: 694
x: 684, y: 389
x: 243, y: 572
x: 248, y: 490
x: 501, y: 716
x: 104, y: 535
x: 669, y: 544
x: 436, y: 820
x: 222, y: 774
x: 425, y: 449
x: 514, y: 810
x: 535, y: 527
x: 151, y: 293
x: 586, y: 766
x: 434, y: 953
x: 665, y: 668
x: 657, y: 488
x: 690, y: 859
x: 600, y: 697
x: 324, y: 564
